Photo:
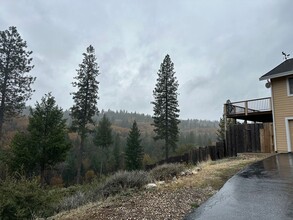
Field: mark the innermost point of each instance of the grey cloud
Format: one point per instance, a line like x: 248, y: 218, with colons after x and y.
x: 219, y: 49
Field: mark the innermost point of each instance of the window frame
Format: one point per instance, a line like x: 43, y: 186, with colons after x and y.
x: 290, y: 78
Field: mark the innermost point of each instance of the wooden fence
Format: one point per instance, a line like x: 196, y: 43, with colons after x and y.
x: 257, y: 137
x: 240, y: 138
x: 198, y: 155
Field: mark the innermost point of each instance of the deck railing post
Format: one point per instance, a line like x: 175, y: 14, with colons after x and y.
x: 225, y: 119
x: 246, y: 107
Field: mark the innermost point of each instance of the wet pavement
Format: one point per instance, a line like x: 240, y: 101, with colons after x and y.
x: 264, y: 190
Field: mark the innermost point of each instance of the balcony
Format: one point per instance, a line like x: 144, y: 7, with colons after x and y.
x: 257, y: 110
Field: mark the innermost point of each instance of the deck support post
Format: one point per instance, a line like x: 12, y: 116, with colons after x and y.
x: 225, y: 121
x: 246, y: 108
x: 245, y: 136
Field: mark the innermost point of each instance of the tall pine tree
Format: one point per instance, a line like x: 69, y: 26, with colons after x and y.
x: 46, y: 142
x: 15, y: 83
x: 85, y: 100
x: 134, y: 151
x: 166, y: 111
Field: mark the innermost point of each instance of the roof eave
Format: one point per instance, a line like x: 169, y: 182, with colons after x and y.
x: 278, y: 75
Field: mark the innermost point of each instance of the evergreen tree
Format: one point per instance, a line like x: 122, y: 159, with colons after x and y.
x: 182, y: 139
x: 221, y: 132
x: 199, y: 140
x: 191, y: 137
x: 15, y: 83
x: 46, y: 142
x: 117, y: 152
x: 134, y: 151
x: 103, y: 137
x: 85, y: 99
x: 166, y: 106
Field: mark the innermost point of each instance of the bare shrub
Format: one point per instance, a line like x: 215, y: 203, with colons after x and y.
x: 90, y: 176
x: 72, y: 202
x: 166, y: 171
x: 124, y: 180
x: 112, y: 185
x: 56, y: 181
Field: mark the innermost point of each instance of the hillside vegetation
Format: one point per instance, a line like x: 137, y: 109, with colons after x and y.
x: 193, y: 133
x: 172, y: 199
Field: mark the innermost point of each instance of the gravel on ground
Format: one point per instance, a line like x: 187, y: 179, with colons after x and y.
x: 171, y: 200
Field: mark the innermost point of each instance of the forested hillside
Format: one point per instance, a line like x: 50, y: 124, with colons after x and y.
x: 193, y: 133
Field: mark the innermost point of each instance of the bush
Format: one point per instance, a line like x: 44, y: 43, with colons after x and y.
x: 166, y: 171
x: 97, y: 190
x: 89, y: 176
x: 5, y: 156
x: 147, y: 160
x: 79, y: 195
x: 72, y: 202
x: 124, y: 180
x: 56, y: 181
x: 21, y: 198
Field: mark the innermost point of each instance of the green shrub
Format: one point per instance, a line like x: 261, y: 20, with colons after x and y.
x: 21, y: 198
x: 5, y: 156
x: 166, y: 171
x: 124, y: 180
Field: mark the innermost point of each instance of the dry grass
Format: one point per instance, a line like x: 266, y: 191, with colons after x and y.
x: 215, y: 173
x: 172, y: 200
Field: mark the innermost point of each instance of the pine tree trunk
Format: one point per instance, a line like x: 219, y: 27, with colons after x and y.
x: 79, y: 159
x: 167, y: 149
x: 103, y: 160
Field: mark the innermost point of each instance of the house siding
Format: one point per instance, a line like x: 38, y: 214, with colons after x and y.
x: 291, y: 132
x: 283, y: 107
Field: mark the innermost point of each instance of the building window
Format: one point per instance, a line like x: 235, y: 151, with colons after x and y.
x: 290, y: 85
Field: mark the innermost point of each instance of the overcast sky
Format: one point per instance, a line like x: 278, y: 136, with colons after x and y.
x: 219, y: 48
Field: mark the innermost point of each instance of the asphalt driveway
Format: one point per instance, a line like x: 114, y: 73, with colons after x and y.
x: 264, y: 190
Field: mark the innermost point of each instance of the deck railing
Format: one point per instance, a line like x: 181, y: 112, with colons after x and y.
x: 248, y: 106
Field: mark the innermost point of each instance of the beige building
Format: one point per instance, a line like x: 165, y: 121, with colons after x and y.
x: 280, y: 81
x: 275, y: 113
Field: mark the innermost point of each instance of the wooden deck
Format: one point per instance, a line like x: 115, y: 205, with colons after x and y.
x: 257, y: 110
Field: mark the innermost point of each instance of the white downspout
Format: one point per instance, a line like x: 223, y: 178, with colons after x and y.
x: 273, y: 113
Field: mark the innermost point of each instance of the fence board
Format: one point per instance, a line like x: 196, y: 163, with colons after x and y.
x: 248, y: 138
x: 197, y: 155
